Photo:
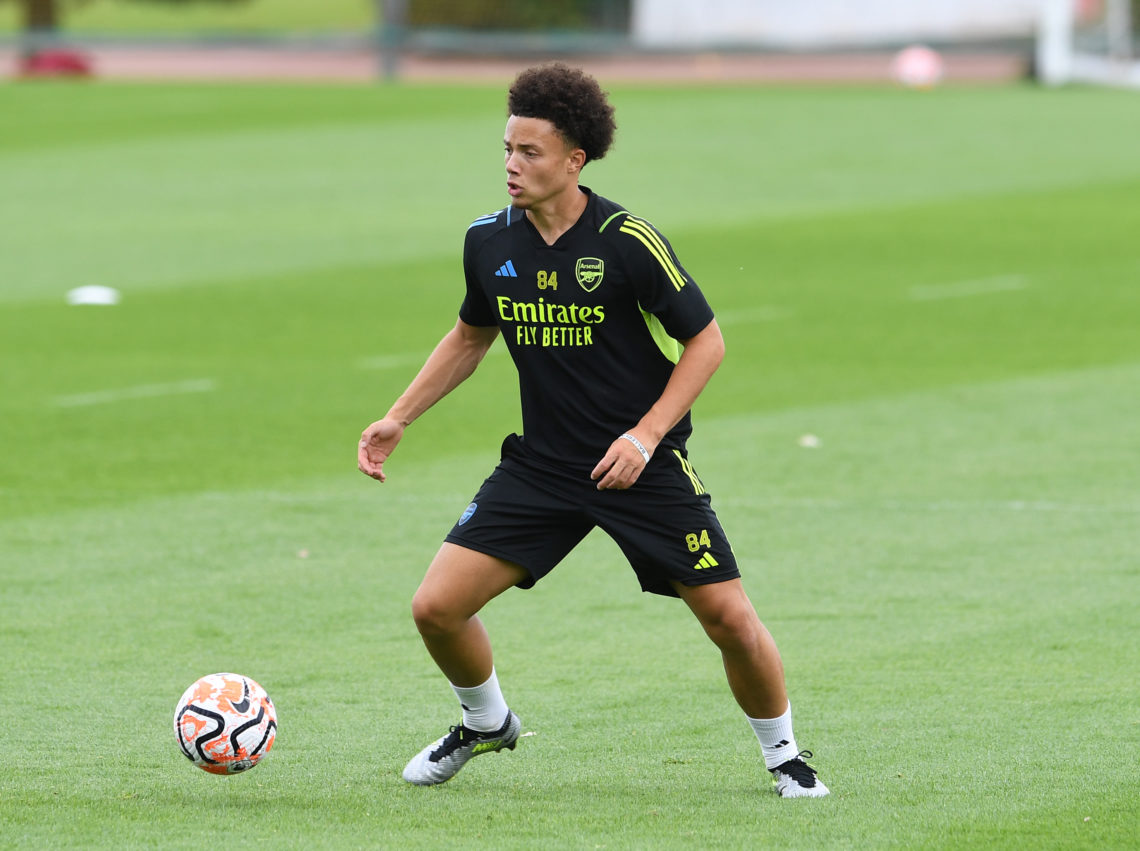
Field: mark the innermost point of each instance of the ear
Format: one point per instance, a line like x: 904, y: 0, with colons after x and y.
x: 576, y: 161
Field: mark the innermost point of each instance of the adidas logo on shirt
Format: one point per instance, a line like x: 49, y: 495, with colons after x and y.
x: 507, y: 270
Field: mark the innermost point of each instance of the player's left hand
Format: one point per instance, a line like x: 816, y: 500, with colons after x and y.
x: 621, y: 466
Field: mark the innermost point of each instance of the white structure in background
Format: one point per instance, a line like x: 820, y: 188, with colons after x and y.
x: 820, y: 24
x: 1093, y: 41
x: 1088, y: 41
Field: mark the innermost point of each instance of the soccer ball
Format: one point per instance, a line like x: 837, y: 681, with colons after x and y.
x: 225, y: 723
x: 918, y: 67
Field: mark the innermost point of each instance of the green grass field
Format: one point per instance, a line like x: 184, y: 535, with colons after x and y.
x: 942, y: 287
x: 250, y: 16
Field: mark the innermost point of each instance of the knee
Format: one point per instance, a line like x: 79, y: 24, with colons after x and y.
x: 432, y: 614
x: 733, y: 627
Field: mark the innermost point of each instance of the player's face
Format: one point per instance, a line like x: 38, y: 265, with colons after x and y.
x: 540, y: 164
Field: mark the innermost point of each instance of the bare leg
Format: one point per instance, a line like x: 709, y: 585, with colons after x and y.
x: 457, y: 585
x: 751, y: 659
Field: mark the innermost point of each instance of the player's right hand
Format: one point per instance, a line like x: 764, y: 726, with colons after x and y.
x: 377, y: 442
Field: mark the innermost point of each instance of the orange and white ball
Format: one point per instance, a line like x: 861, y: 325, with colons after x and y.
x: 225, y: 723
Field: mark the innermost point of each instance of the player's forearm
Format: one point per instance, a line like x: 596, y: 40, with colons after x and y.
x: 449, y: 365
x: 700, y: 359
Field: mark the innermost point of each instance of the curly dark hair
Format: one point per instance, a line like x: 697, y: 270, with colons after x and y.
x: 571, y: 100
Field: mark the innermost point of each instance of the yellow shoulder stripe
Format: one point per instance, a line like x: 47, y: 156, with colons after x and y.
x: 650, y: 239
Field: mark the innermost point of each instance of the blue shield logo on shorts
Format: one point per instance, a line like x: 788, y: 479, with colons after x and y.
x: 468, y: 513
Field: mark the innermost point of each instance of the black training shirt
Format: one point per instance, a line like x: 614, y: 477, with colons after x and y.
x: 592, y: 323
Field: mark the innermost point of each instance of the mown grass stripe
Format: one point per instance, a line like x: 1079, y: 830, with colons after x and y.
x: 139, y: 391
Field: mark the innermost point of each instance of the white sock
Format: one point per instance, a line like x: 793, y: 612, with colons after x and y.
x: 776, y: 738
x: 484, y: 708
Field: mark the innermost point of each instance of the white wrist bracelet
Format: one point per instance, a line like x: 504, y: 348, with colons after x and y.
x: 638, y: 444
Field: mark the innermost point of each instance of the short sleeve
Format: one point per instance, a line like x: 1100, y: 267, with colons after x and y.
x: 662, y: 285
x: 475, y: 310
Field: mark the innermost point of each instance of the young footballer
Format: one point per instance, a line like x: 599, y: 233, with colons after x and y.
x: 613, y: 341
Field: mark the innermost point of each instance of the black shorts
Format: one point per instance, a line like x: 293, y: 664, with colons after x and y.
x: 533, y: 514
